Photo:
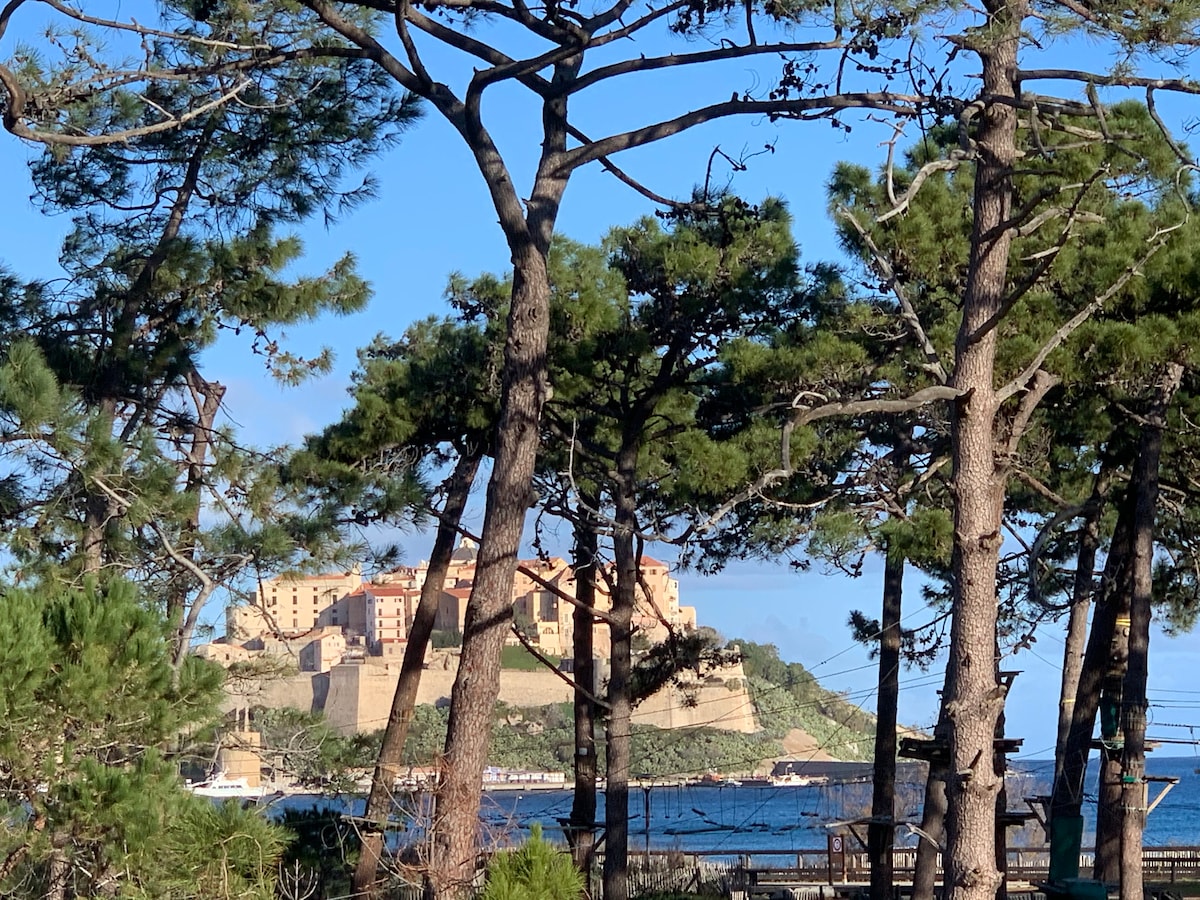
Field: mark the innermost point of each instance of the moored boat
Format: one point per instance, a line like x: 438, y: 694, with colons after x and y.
x: 220, y: 786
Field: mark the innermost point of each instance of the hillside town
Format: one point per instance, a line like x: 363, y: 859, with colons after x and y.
x: 322, y: 619
x: 332, y: 643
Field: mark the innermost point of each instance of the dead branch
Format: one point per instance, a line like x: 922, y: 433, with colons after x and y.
x: 955, y: 159
x: 575, y: 685
x: 1041, y: 385
x: 651, y: 63
x: 908, y: 312
x: 907, y: 105
x: 1179, y: 85
x: 17, y: 99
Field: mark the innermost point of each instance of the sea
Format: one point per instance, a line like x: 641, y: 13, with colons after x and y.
x: 732, y: 819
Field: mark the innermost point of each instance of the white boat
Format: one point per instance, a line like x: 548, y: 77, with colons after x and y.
x: 220, y: 786
x: 791, y: 779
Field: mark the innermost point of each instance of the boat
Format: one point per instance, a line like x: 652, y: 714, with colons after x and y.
x: 220, y: 786
x: 792, y: 779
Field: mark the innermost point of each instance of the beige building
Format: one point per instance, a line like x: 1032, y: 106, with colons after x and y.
x: 390, y: 608
x: 295, y: 604
x: 324, y: 652
x: 223, y: 653
x: 380, y: 612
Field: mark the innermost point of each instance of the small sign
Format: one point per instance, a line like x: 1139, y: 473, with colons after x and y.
x: 837, y: 843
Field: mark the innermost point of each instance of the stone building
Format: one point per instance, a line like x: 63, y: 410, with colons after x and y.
x: 378, y: 614
x: 295, y: 604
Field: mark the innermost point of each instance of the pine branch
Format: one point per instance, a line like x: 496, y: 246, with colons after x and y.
x: 933, y: 363
x: 806, y: 416
x: 1068, y: 328
x: 17, y: 98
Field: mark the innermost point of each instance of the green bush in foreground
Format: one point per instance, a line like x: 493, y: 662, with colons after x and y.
x: 536, y: 870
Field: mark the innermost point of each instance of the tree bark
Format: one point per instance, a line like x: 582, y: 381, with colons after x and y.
x: 974, y: 697
x: 1076, y: 638
x: 881, y: 832
x: 528, y: 227
x: 1109, y: 819
x: 391, y: 750
x: 1133, y: 720
x: 582, y: 831
x: 1101, y: 655
x: 455, y: 836
x: 620, y: 714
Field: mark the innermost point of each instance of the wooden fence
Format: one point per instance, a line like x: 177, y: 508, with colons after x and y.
x: 800, y: 873
x: 717, y: 871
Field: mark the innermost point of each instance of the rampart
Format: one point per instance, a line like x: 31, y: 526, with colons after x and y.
x: 357, y: 696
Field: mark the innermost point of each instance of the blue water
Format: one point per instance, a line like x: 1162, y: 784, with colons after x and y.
x: 1175, y: 821
x: 751, y: 818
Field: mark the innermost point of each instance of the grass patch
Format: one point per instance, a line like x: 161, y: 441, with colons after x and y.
x: 517, y: 657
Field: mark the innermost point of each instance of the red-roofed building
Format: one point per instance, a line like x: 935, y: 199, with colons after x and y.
x: 389, y: 612
x: 381, y: 611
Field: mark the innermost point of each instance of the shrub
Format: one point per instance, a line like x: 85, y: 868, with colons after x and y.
x: 536, y: 870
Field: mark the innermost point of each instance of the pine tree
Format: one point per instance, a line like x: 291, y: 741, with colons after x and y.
x: 174, y: 245
x: 103, y: 810
x: 420, y: 404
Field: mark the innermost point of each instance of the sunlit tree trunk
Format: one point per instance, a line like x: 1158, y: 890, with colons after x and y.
x: 974, y: 698
x: 391, y: 750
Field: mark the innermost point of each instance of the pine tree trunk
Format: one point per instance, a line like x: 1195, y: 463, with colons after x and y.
x: 1076, y: 638
x: 974, y: 697
x: 455, y: 832
x: 207, y: 396
x: 1099, y: 658
x: 391, y: 750
x: 1109, y: 819
x: 620, y: 714
x: 582, y: 831
x: 881, y: 832
x: 1133, y: 720
x: 933, y: 819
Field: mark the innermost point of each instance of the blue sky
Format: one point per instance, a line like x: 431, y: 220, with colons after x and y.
x: 433, y: 217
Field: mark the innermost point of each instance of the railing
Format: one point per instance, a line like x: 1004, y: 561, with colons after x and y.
x: 762, y: 873
x: 721, y: 871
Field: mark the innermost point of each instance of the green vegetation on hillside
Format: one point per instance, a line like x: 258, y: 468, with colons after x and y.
x: 517, y: 657
x: 785, y: 695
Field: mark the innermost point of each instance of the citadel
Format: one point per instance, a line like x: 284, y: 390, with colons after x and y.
x: 333, y: 643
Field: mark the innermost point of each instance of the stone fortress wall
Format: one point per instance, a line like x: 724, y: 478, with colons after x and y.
x: 356, y: 697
